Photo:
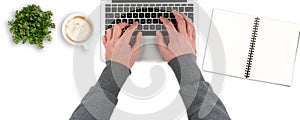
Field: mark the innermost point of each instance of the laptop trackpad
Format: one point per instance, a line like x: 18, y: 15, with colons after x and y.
x: 149, y: 50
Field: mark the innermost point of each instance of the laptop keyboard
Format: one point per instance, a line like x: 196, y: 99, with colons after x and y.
x: 146, y: 14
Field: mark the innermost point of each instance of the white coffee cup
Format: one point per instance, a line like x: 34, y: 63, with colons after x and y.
x: 77, y: 30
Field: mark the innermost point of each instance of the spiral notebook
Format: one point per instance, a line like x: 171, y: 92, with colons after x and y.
x: 251, y: 47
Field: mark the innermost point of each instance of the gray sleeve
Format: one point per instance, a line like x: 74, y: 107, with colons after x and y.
x: 100, y: 101
x: 200, y: 100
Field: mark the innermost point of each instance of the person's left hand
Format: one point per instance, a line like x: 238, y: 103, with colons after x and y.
x: 117, y: 45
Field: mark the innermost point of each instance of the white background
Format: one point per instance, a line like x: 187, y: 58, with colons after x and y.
x: 38, y: 84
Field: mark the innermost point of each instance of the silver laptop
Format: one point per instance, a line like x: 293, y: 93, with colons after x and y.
x: 147, y: 13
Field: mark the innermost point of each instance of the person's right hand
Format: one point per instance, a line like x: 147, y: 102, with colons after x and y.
x: 181, y: 42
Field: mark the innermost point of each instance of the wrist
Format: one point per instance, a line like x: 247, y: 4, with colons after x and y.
x: 113, y: 77
x: 183, y: 66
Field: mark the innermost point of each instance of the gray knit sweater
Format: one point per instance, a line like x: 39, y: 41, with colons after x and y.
x: 198, y: 96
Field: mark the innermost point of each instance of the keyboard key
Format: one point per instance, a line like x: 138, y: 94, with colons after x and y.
x: 114, y: 5
x: 169, y: 9
x: 137, y: 20
x: 152, y: 27
x: 117, y: 15
x: 174, y: 21
x: 191, y: 15
x: 162, y: 9
x: 141, y: 15
x: 129, y: 15
x: 159, y: 15
x: 123, y: 15
x: 144, y: 9
x: 114, y: 9
x: 109, y: 21
x: 120, y: 9
x: 140, y: 27
x: 118, y: 21
x: 164, y: 4
x: 135, y: 15
x: 177, y: 4
x: 132, y: 9
x: 149, y: 21
x: 139, y: 4
x: 171, y: 4
x: 133, y: 5
x: 166, y: 15
x: 147, y: 15
x: 172, y: 15
x: 107, y: 9
x: 109, y: 15
x: 151, y: 33
x: 143, y: 21
x: 183, y: 4
x: 108, y: 26
x: 150, y: 9
x: 189, y: 9
x: 121, y: 5
x: 146, y: 4
x: 158, y: 4
x: 127, y: 5
x: 153, y: 15
x: 126, y: 9
x: 156, y: 9
x: 130, y: 21
x: 138, y: 9
x: 107, y: 5
x: 175, y: 8
x: 155, y: 21
x: 163, y: 27
x: 152, y: 4
x: 146, y: 27
x: 159, y: 21
x: 181, y: 9
x: 158, y: 27
x: 190, y: 4
x: 124, y: 20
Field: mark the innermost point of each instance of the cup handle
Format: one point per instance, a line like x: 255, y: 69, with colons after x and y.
x: 85, y: 46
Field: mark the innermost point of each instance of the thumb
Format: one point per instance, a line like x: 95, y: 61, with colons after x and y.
x: 160, y: 40
x: 163, y: 48
x: 138, y: 41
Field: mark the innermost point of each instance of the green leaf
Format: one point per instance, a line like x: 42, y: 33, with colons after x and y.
x: 31, y: 24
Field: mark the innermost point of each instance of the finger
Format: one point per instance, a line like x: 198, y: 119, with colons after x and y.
x: 190, y: 26
x: 161, y: 43
x: 104, y: 39
x: 187, y: 19
x: 138, y: 42
x: 134, y: 58
x: 109, y: 34
x: 168, y: 24
x: 181, y: 22
x: 194, y: 35
x: 135, y: 55
x: 117, y: 30
x: 128, y: 33
x: 163, y: 48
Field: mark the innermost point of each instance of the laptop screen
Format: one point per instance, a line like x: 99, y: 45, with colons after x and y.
x: 124, y: 1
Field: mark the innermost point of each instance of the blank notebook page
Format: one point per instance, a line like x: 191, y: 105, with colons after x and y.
x: 275, y: 52
x: 234, y: 32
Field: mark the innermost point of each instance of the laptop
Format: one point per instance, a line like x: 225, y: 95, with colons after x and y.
x: 147, y: 13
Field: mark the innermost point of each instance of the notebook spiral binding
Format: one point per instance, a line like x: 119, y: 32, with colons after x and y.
x: 251, y: 48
